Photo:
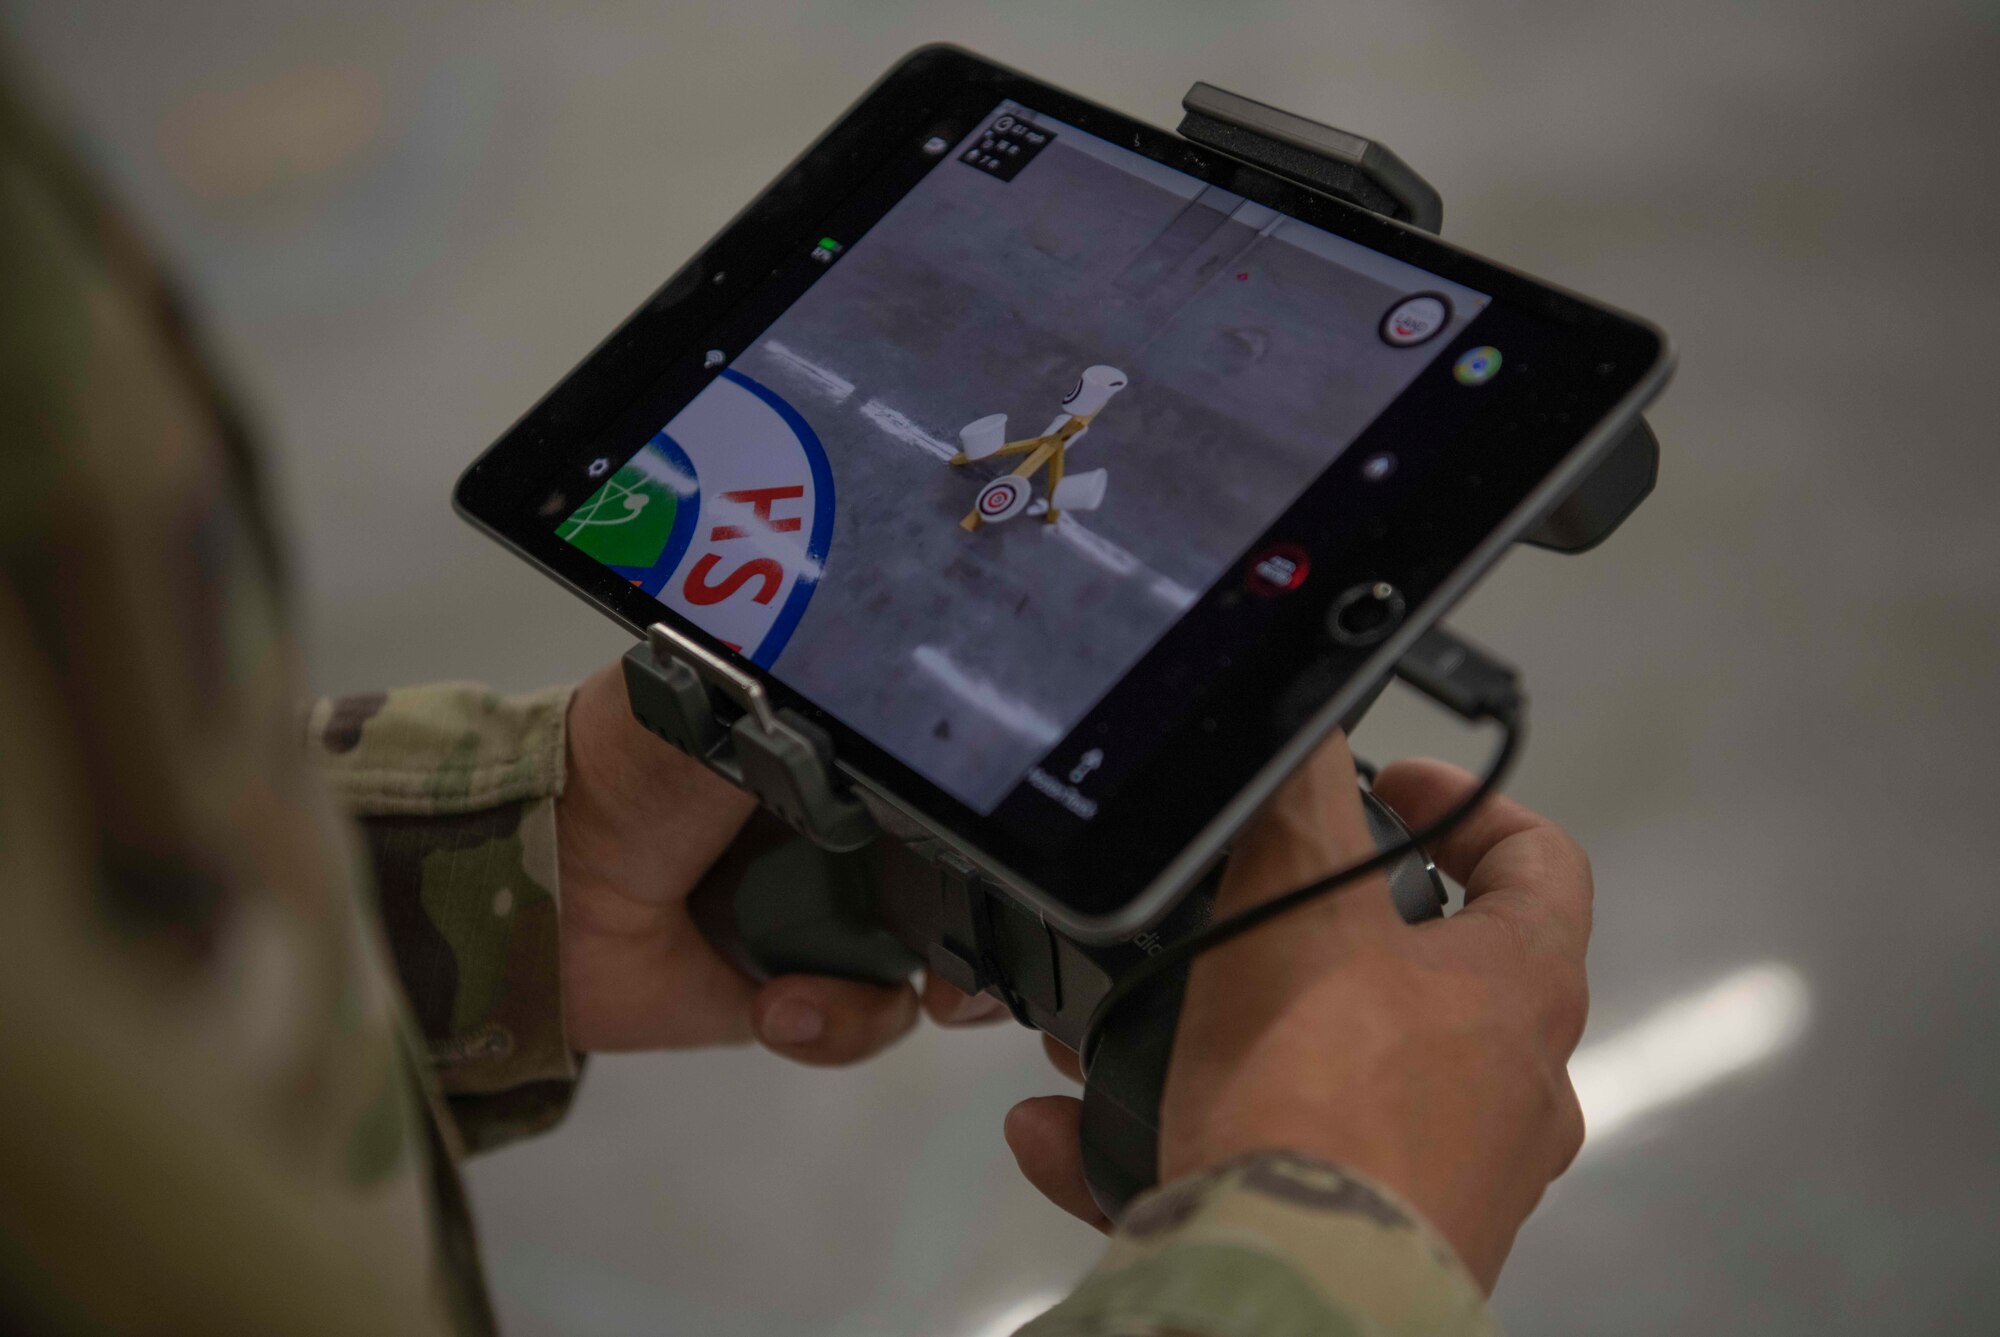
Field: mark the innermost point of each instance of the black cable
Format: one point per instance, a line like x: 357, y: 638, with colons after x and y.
x: 1507, y: 710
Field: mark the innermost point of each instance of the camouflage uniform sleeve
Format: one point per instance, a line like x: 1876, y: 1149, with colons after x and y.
x: 1274, y: 1245
x: 454, y: 787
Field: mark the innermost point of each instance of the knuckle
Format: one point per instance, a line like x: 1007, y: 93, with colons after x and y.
x: 1566, y: 1008
x: 1550, y: 854
x: 1516, y: 941
x: 1585, y: 875
x: 1567, y: 1127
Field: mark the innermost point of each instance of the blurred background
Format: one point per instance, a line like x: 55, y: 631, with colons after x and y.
x: 1767, y: 705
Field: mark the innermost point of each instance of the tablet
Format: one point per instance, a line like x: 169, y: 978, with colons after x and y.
x: 1072, y: 477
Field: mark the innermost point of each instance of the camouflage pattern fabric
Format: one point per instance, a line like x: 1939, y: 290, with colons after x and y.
x: 1274, y: 1245
x: 214, y: 1116
x: 454, y: 787
x: 236, y: 1080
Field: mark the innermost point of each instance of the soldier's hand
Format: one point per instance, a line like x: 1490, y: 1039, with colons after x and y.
x: 637, y: 826
x: 1431, y: 1058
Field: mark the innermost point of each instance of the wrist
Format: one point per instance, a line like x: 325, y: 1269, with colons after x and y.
x: 1291, y: 1217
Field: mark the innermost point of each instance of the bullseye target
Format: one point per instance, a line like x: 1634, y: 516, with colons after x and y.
x: 1003, y: 498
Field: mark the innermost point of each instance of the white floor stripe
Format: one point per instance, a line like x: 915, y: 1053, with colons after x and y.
x: 1016, y: 716
x: 900, y: 427
x: 821, y: 379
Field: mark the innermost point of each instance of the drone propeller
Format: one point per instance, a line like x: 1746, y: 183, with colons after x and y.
x: 1080, y: 492
x: 984, y: 436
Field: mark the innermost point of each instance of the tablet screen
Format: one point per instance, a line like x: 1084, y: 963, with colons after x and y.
x: 1007, y: 438
x: 1036, y: 457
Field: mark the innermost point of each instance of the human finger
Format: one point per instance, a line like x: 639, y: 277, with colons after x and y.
x: 1423, y: 790
x: 1312, y: 826
x: 948, y: 1005
x: 826, y: 1022
x: 1513, y: 862
x: 1570, y: 1128
x: 1063, y: 1057
x: 1043, y: 1134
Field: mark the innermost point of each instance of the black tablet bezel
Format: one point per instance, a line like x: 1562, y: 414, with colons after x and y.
x: 1254, y: 676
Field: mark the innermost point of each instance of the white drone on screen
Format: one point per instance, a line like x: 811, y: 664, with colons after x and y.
x: 1008, y: 495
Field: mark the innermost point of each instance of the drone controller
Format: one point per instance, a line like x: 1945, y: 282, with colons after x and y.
x: 828, y: 880
x: 776, y: 904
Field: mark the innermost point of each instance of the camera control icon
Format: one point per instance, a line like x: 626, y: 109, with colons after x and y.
x: 1279, y: 569
x: 1416, y: 319
x: 1085, y: 764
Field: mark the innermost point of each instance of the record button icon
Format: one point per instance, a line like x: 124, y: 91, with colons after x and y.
x: 1279, y: 569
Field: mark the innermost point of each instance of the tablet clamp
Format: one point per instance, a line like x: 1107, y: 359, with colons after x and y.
x: 829, y: 879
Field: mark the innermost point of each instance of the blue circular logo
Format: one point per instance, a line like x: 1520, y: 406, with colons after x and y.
x: 1477, y: 366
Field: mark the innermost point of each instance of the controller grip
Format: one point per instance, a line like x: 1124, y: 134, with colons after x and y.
x: 775, y: 904
x: 1120, y: 1127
